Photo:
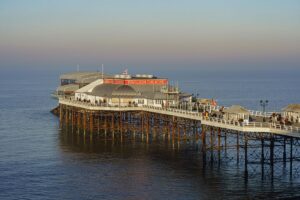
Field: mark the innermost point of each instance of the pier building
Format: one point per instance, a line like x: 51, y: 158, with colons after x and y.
x: 292, y: 112
x: 70, y: 82
x: 137, y: 90
x: 236, y: 112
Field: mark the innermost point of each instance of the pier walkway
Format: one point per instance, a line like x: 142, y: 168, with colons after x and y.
x: 254, y: 127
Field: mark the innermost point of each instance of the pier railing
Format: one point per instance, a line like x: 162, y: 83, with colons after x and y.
x: 275, y: 126
x: 213, y: 121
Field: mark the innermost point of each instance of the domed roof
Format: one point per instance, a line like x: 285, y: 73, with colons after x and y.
x: 125, y: 90
x: 104, y: 90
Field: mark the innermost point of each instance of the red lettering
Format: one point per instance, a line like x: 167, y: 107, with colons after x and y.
x: 137, y: 82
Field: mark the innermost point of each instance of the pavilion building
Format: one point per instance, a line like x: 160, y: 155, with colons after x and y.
x: 127, y: 90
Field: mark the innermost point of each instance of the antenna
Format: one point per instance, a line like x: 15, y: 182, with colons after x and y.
x: 78, y: 67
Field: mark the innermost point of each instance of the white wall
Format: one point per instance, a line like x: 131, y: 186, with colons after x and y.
x: 80, y: 93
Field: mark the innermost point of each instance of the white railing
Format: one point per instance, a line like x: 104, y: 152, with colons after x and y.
x: 192, y: 114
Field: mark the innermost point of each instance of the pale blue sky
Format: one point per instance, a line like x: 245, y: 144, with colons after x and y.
x: 156, y: 34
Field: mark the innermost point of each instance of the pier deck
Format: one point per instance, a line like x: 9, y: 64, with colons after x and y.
x: 252, y: 127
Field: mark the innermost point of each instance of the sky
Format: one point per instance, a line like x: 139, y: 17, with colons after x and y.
x: 145, y: 35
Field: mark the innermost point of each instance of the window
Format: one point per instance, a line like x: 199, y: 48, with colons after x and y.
x: 141, y: 101
x: 67, y: 81
x: 158, y: 101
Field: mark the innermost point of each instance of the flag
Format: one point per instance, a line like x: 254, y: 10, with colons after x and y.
x: 125, y: 72
x: 213, y: 102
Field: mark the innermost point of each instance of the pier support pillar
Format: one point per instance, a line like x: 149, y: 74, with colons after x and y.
x: 284, y: 151
x: 262, y: 159
x: 246, y: 155
x: 178, y: 130
x: 203, y: 137
x: 238, y: 147
x: 84, y: 122
x: 219, y: 145
x: 291, y: 158
x: 91, y: 118
x: 78, y: 121
x: 272, y: 156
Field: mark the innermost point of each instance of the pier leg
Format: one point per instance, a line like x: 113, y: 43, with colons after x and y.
x: 246, y: 155
x: 196, y: 130
x: 98, y: 124
x: 148, y: 128
x: 91, y: 123
x: 173, y: 129
x: 78, y: 121
x: 169, y: 131
x: 203, y: 135
x: 72, y: 120
x: 238, y: 147
x: 142, y: 122
x: 225, y: 141
x: 60, y: 115
x: 121, y: 126
x: 184, y: 131
x: 272, y: 156
x: 84, y: 122
x: 66, y: 117
x: 113, y: 127
x: 219, y: 145
x: 262, y: 160
x: 178, y: 131
x: 211, y: 145
x: 284, y: 151
x: 291, y: 159
x: 203, y: 138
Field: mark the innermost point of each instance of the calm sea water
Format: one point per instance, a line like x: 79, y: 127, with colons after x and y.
x: 39, y: 161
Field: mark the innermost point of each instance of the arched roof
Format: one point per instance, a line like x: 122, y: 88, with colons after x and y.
x: 113, y: 90
x: 125, y: 90
x: 104, y: 90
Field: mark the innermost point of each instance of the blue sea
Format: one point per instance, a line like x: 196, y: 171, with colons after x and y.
x: 40, y: 161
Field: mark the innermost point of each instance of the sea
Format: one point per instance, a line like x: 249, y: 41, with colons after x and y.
x: 38, y: 160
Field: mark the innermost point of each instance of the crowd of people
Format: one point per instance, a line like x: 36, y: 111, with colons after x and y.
x: 287, y: 120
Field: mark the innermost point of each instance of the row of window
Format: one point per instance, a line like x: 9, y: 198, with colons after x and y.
x: 141, y: 101
x: 159, y: 101
x: 67, y: 81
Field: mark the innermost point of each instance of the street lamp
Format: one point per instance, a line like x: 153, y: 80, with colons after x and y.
x: 264, y: 104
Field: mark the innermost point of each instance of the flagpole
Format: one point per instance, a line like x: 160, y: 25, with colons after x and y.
x: 102, y: 70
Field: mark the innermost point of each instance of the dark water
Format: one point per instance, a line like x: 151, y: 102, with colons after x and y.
x: 39, y: 161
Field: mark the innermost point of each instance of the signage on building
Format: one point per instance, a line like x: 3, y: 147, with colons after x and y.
x: 137, y: 82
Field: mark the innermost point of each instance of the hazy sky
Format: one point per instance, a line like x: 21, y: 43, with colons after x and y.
x: 150, y: 34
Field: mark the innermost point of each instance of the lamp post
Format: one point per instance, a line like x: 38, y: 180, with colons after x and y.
x: 263, y: 104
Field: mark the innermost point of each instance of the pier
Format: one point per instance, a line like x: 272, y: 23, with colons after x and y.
x: 122, y: 107
x: 260, y: 143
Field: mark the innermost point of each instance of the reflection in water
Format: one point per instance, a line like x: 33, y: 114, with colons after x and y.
x: 159, y: 168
